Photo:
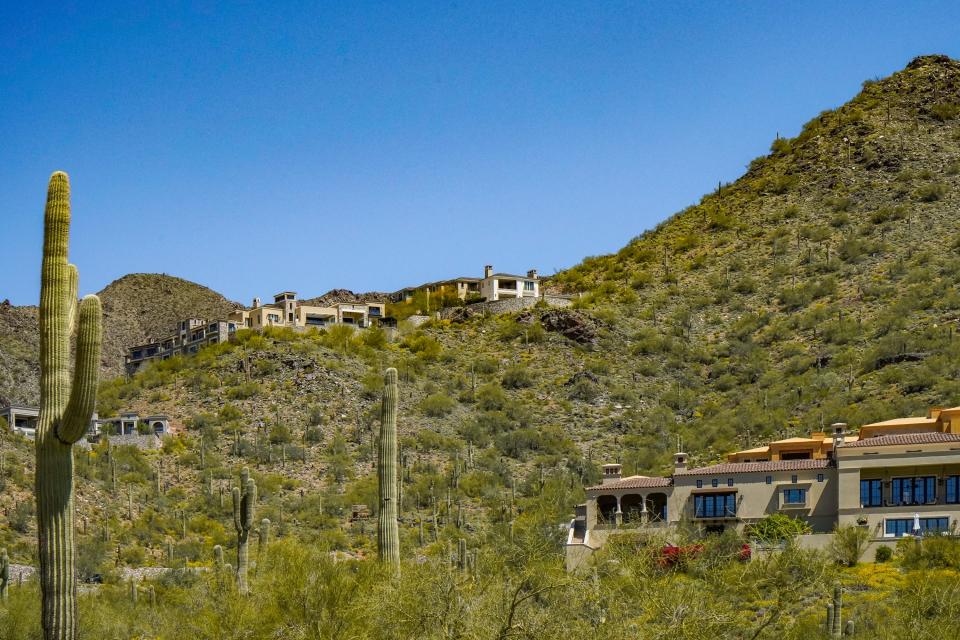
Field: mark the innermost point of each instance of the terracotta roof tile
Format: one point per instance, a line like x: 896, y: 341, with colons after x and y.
x: 634, y: 482
x: 929, y: 437
x: 755, y: 467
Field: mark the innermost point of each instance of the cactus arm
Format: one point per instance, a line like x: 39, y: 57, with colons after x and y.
x: 236, y: 509
x: 249, y: 504
x: 72, y: 288
x: 83, y: 394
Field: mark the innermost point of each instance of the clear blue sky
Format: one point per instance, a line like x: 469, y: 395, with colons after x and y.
x: 256, y: 147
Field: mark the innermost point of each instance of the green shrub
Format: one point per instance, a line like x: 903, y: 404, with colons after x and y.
x: 883, y: 554
x: 931, y: 192
x: 848, y: 544
x: 517, y: 377
x: 777, y: 528
x: 437, y: 405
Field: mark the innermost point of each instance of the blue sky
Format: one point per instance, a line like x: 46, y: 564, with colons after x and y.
x: 256, y: 147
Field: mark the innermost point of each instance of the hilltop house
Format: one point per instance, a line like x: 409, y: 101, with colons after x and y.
x: 895, y: 478
x: 287, y: 311
x: 493, y: 286
x: 190, y: 335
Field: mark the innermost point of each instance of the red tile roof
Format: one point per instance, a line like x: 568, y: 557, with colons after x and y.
x: 634, y: 482
x: 755, y: 467
x: 929, y: 437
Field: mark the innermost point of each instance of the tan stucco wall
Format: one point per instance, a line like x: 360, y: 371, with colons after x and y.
x: 886, y: 463
x: 757, y: 499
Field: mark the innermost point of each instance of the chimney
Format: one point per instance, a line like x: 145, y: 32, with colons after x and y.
x: 611, y: 473
x: 679, y: 461
x: 839, y: 430
x: 532, y: 274
x: 487, y: 271
x: 256, y: 302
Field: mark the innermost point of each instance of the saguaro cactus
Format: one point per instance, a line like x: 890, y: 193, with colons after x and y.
x: 244, y: 507
x: 66, y: 407
x: 4, y: 573
x: 388, y: 530
x: 837, y: 610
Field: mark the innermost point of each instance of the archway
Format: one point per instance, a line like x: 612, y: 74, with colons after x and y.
x: 606, y: 508
x: 158, y: 428
x: 657, y: 506
x: 632, y: 506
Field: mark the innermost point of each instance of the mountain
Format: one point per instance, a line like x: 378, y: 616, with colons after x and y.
x: 818, y: 287
x: 136, y: 308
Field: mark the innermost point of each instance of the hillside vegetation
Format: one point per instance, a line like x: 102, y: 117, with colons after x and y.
x: 136, y: 308
x: 818, y: 287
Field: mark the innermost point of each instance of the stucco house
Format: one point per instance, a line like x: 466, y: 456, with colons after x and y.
x: 896, y: 478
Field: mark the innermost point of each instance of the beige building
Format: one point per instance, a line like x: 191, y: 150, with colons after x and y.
x: 189, y: 337
x: 498, y: 286
x: 287, y: 311
x: 492, y: 286
x: 896, y: 478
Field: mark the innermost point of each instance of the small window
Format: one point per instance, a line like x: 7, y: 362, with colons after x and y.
x: 819, y: 477
x: 793, y: 479
x: 715, y: 483
x: 699, y: 484
x: 729, y: 482
x: 769, y: 479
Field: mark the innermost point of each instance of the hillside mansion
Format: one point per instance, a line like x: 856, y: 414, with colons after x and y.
x: 895, y: 478
x: 286, y: 311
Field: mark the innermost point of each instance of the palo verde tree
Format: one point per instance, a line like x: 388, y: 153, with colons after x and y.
x: 66, y: 407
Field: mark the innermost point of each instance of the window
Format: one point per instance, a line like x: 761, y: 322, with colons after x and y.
x: 528, y: 285
x: 871, y: 493
x: 715, y: 505
x: 921, y: 490
x: 819, y: 477
x: 952, y: 489
x: 714, y: 483
x: 769, y: 479
x: 374, y: 311
x: 793, y: 479
x: 897, y: 527
x: 729, y: 482
x: 699, y: 484
x: 794, y: 496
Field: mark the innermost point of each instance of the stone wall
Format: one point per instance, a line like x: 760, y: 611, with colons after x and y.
x: 146, y: 441
x: 507, y: 305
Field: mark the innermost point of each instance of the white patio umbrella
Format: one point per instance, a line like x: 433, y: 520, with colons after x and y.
x: 916, y: 524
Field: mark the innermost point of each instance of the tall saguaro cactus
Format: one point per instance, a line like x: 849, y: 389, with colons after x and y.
x: 244, y: 508
x: 388, y: 530
x: 66, y: 406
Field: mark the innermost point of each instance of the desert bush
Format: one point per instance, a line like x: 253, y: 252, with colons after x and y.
x: 848, y: 544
